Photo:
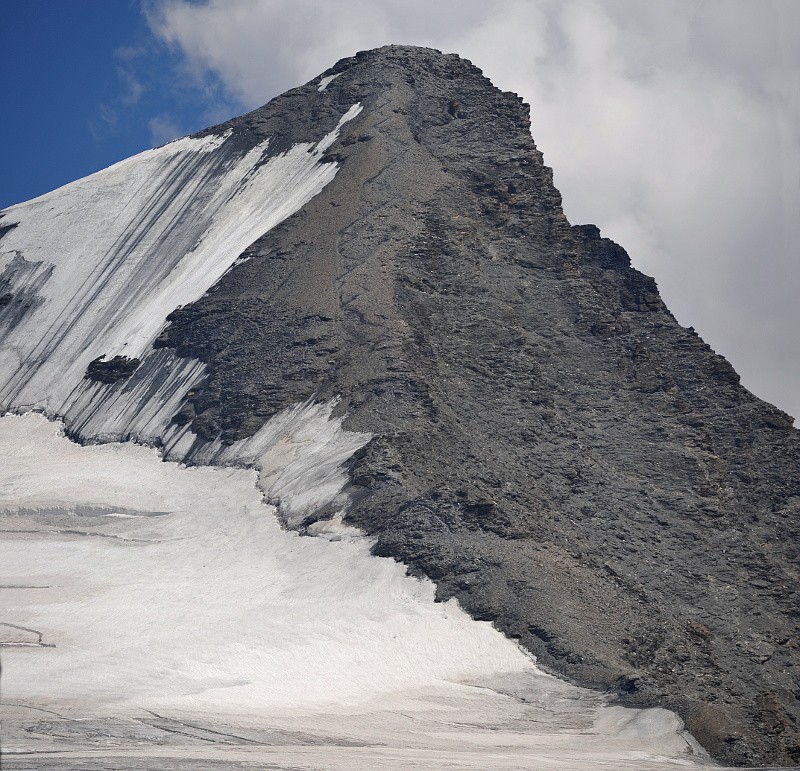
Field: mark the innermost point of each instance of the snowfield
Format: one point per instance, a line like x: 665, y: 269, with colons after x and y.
x: 95, y: 267
x: 153, y: 610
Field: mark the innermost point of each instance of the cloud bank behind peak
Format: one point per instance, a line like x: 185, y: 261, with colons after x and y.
x: 674, y: 126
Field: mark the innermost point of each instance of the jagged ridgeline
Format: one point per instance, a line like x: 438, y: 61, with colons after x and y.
x: 533, y: 429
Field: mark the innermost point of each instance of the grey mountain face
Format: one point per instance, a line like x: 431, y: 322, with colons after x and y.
x: 550, y: 446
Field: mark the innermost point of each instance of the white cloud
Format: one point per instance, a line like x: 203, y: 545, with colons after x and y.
x: 674, y: 126
x: 163, y: 129
x: 126, y: 62
x: 262, y: 47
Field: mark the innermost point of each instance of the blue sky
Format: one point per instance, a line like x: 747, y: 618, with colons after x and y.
x: 674, y: 125
x: 86, y: 84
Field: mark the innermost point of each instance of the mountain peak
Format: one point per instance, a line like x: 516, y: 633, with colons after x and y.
x: 551, y: 446
x: 520, y: 417
x: 407, y: 57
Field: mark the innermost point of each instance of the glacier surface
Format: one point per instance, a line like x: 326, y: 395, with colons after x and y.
x: 152, y: 610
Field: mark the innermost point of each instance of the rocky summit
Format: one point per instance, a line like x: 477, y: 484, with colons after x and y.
x: 548, y: 444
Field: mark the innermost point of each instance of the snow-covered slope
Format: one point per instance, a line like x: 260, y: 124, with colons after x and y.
x: 165, y: 582
x: 93, y: 269
x: 149, y: 608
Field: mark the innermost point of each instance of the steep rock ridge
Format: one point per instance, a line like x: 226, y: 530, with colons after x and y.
x: 550, y: 446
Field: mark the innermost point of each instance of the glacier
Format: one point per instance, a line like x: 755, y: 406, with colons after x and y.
x: 150, y: 607
x: 154, y: 611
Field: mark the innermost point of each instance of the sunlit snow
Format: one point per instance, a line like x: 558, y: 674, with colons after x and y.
x: 95, y: 267
x: 299, y: 453
x: 171, y: 591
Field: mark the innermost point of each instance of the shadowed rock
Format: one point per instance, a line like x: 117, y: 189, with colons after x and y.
x: 118, y: 368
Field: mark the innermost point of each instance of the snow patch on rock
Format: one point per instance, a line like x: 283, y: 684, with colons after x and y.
x: 299, y: 453
x: 325, y: 82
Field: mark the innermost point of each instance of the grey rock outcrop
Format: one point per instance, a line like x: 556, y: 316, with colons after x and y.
x: 551, y: 447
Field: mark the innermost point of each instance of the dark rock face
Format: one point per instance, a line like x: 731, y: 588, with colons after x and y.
x: 550, y: 447
x: 20, y: 272
x: 118, y: 368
